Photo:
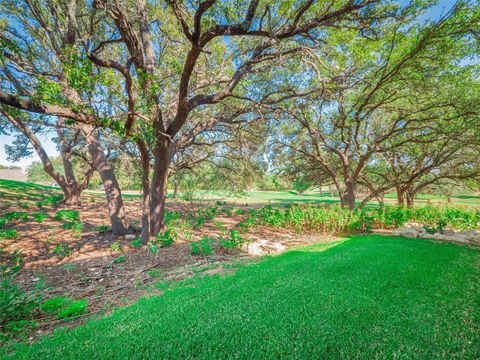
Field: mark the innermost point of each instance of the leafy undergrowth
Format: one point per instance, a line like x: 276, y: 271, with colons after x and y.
x: 368, y: 297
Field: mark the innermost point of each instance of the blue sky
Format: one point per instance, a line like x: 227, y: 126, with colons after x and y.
x: 50, y: 147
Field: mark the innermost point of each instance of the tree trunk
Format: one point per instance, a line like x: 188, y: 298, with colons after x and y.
x: 410, y: 199
x: 145, y: 158
x: 175, y: 189
x: 113, y: 194
x: 72, y: 196
x: 71, y: 189
x: 162, y: 158
x: 350, y: 195
x: 381, y: 199
x: 400, y: 196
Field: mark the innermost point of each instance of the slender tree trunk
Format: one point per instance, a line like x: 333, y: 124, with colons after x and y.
x: 71, y: 189
x: 331, y: 191
x: 350, y: 195
x: 381, y: 199
x: 175, y: 189
x: 145, y: 158
x: 67, y: 183
x: 162, y: 158
x: 113, y: 194
x: 400, y: 196
x: 410, y: 199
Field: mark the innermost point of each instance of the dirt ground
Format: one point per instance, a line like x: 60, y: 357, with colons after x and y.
x: 88, y: 271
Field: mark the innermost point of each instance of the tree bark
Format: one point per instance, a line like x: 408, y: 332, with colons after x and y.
x: 162, y: 157
x: 145, y: 158
x: 349, y: 195
x: 410, y: 199
x: 113, y: 194
x: 175, y: 189
x: 400, y: 196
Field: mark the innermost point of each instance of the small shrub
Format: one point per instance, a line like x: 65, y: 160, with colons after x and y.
x: 440, y: 226
x: 203, y: 247
x: 136, y: 243
x: 233, y: 242
x: 74, y: 309
x: 166, y: 238
x: 219, y: 225
x: 39, y: 216
x: 63, y: 250
x: 116, y: 247
x: 24, y: 204
x: 54, y: 305
x: 239, y: 212
x: 8, y: 234
x: 155, y: 274
x: 101, y: 229
x: 119, y: 259
x: 51, y: 200
x: 16, y: 304
x: 200, y: 222
x: 77, y: 229
x: 16, y: 215
x: 72, y: 215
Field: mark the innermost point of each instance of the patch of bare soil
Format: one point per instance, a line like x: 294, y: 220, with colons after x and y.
x: 86, y: 270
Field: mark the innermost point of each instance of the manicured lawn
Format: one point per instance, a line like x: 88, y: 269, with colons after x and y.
x: 368, y: 297
x: 12, y: 192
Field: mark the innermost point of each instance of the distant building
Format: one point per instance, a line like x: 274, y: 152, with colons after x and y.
x: 13, y: 174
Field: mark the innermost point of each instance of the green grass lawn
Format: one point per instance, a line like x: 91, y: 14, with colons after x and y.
x: 367, y: 297
x: 11, y: 191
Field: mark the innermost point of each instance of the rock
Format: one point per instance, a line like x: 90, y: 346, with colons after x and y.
x: 426, y: 236
x: 474, y: 239
x: 455, y: 238
x: 447, y: 232
x: 130, y: 237
x: 262, y: 247
x: 410, y: 233
x: 469, y: 232
x: 399, y: 231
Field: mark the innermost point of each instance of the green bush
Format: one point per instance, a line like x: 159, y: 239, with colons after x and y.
x: 63, y: 250
x: 74, y: 309
x: 8, y: 234
x: 54, y: 305
x: 235, y: 241
x: 51, y: 201
x: 116, y: 247
x: 16, y: 215
x: 72, y: 215
x: 119, y: 259
x: 136, y: 243
x: 166, y: 238
x: 101, y: 229
x: 16, y: 304
x: 334, y: 218
x: 39, y: 216
x: 203, y: 246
